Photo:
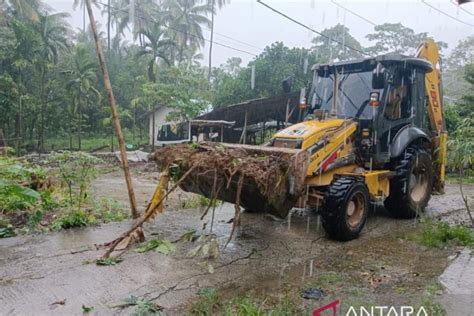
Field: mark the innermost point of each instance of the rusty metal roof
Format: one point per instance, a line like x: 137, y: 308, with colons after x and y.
x: 258, y: 110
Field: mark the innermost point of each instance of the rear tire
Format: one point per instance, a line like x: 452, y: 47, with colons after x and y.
x: 345, y: 208
x: 410, y: 189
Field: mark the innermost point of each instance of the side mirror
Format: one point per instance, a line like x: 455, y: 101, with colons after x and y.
x: 374, y: 99
x: 378, y: 77
x: 287, y: 83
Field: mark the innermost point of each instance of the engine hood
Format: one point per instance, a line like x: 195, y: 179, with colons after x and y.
x: 308, y: 132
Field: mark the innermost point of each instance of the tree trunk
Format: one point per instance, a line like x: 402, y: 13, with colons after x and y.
x: 17, y: 133
x: 133, y: 124
x: 115, y: 115
x: 43, y: 108
x: 210, y: 44
x: 111, y: 139
x: 153, y: 131
x: 108, y: 29
x: 33, y: 123
x: 70, y: 134
x: 79, y: 122
x: 84, y: 18
x: 20, y: 120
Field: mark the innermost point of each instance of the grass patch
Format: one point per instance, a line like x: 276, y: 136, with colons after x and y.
x: 90, y: 142
x: 210, y: 303
x: 111, y: 211
x: 197, y: 201
x: 243, y: 306
x: 330, y: 281
x: 454, y: 178
x: 429, y: 301
x: 440, y: 234
x: 143, y: 306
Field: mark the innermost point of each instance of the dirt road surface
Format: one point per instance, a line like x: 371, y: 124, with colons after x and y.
x: 269, y: 258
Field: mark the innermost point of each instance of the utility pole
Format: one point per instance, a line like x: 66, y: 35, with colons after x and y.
x: 115, y: 116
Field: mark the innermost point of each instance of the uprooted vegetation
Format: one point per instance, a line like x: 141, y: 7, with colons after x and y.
x: 254, y: 177
x: 34, y: 198
x: 243, y: 175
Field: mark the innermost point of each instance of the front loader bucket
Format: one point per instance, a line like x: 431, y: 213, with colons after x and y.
x: 272, y: 178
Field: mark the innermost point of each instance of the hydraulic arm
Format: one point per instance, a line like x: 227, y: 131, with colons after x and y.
x: 433, y: 89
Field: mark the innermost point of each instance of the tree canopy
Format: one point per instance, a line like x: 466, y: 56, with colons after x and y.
x: 52, y: 94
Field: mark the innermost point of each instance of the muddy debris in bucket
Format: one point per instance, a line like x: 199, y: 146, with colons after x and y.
x: 255, y: 177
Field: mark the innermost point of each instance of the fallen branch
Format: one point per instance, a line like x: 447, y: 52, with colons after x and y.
x: 153, y: 208
x: 236, y: 221
x: 464, y: 198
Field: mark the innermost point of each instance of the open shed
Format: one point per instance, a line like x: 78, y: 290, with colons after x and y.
x: 238, y: 123
x: 277, y: 109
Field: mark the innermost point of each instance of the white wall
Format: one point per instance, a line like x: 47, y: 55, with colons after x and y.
x: 160, y: 119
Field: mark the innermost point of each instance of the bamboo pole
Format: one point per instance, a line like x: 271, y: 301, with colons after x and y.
x: 115, y: 116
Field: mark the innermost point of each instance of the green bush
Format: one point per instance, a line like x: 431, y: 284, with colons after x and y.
x: 73, y: 219
x: 76, y: 172
x: 111, y: 211
x: 16, y: 180
x: 440, y: 233
x: 7, y: 231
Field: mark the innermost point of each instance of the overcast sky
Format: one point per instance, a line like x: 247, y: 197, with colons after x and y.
x: 249, y: 26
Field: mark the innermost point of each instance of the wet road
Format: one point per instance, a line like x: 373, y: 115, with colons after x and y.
x: 267, y: 257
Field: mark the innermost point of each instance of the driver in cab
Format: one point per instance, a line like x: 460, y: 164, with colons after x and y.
x: 396, y: 96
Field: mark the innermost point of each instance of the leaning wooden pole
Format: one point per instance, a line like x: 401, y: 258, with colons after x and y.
x: 115, y: 117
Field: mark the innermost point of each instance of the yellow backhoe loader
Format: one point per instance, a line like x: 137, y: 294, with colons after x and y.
x: 373, y: 132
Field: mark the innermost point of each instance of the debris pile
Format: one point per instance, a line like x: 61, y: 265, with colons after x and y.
x: 257, y: 178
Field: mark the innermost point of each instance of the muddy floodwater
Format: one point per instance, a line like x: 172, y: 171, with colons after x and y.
x: 269, y: 258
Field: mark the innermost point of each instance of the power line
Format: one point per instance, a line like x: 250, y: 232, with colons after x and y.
x: 354, y: 13
x: 189, y: 34
x: 235, y: 39
x: 446, y: 14
x: 459, y: 7
x: 311, y: 29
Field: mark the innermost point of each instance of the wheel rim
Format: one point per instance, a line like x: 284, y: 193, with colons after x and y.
x: 418, y: 185
x: 355, y: 209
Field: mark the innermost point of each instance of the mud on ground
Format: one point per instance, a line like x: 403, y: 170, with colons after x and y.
x: 270, y: 259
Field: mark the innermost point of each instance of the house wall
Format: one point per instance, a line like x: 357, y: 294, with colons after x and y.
x: 160, y: 119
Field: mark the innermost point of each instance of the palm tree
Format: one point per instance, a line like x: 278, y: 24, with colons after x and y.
x: 156, y: 47
x: 185, y: 20
x: 23, y: 9
x: 140, y: 16
x: 54, y: 38
x: 108, y: 9
x: 82, y: 77
x: 82, y: 5
x: 54, y: 33
x: 213, y: 4
x: 113, y: 13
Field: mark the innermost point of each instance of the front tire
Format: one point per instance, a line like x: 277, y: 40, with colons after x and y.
x: 345, y: 208
x: 410, y: 190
